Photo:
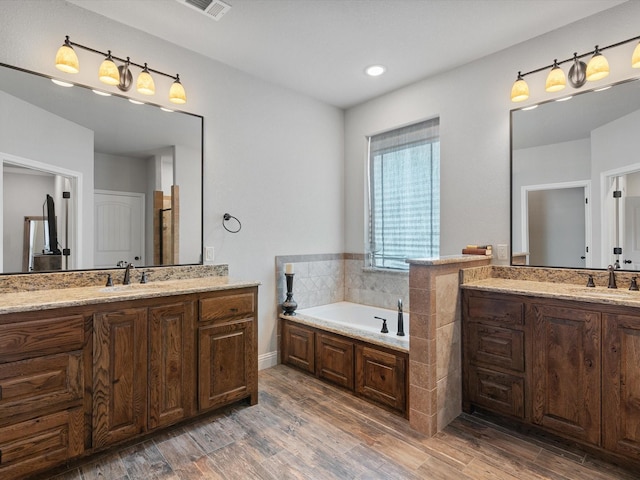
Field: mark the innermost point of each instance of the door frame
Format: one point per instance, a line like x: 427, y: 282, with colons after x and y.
x: 75, y: 239
x: 605, y: 179
x: 524, y: 203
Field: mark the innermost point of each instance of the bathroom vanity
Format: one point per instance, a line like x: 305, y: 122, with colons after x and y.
x: 562, y: 357
x: 82, y: 369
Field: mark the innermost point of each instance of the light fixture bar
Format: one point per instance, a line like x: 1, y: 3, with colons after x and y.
x: 571, y: 59
x: 127, y: 60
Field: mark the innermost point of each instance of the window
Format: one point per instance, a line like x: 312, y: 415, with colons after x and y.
x: 404, y: 195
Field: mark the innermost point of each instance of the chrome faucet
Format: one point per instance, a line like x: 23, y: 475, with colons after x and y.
x: 612, y: 277
x: 127, y: 274
x: 400, y: 319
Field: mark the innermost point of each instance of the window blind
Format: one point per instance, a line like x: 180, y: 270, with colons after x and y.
x: 404, y: 191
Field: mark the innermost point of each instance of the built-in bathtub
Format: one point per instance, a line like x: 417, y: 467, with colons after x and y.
x: 358, y: 321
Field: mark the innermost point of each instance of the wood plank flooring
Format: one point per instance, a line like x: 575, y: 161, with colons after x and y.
x: 304, y: 429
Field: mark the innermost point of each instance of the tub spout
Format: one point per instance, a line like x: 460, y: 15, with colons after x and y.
x: 400, y: 319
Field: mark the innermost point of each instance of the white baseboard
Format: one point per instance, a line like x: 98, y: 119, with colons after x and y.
x: 267, y: 360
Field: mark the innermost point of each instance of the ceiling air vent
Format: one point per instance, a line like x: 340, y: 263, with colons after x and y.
x: 212, y: 8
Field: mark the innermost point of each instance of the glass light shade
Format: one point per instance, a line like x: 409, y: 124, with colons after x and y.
x: 635, y: 58
x: 177, y: 93
x: 67, y: 60
x: 519, y: 91
x: 556, y: 80
x: 597, y: 68
x: 145, y: 84
x: 108, y: 72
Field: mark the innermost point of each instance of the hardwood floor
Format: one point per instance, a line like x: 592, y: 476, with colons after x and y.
x: 305, y: 429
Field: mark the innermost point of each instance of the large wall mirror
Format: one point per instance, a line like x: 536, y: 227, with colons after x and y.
x: 122, y: 181
x: 575, y: 180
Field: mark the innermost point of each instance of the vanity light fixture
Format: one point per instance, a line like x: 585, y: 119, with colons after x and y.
x: 120, y: 76
x: 520, y: 89
x: 598, y: 66
x: 108, y: 72
x: 556, y: 80
x: 635, y: 58
x: 579, y: 72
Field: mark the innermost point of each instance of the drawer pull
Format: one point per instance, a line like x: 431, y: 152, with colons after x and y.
x: 233, y: 310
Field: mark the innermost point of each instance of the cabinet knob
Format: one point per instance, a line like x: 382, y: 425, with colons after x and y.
x: 233, y: 310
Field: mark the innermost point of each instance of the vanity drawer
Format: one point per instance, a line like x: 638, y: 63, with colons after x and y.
x: 225, y: 306
x: 504, y: 312
x: 500, y: 392
x: 496, y: 346
x: 41, y: 337
x: 38, y: 384
x: 44, y: 442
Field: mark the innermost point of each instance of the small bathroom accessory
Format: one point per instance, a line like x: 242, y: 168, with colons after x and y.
x: 400, y: 319
x: 289, y: 305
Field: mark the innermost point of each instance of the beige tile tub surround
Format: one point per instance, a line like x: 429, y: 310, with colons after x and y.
x: 435, y: 377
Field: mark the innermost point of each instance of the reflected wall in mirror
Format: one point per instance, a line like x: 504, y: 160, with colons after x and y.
x: 575, y: 191
x: 120, y: 164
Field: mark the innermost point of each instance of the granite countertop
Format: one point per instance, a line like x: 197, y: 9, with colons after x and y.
x: 566, y: 291
x: 391, y: 341
x: 14, y: 302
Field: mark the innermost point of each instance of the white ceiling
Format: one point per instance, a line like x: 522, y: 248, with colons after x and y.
x: 321, y: 47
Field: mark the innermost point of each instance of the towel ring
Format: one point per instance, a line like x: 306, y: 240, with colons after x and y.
x: 225, y: 218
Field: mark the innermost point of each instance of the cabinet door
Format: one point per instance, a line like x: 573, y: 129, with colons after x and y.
x: 621, y: 384
x: 119, y: 375
x: 171, y: 363
x: 298, y: 347
x: 566, y: 371
x: 225, y: 358
x: 334, y: 360
x: 380, y: 376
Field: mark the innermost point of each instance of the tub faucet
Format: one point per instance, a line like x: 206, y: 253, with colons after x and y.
x: 400, y: 319
x: 384, y: 325
x: 612, y: 277
x: 127, y: 274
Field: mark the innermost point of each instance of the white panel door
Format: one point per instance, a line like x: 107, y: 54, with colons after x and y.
x: 557, y: 227
x: 119, y: 228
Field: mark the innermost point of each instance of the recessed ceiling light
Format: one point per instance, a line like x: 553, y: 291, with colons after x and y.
x: 166, y: 109
x: 532, y: 107
x: 61, y: 83
x: 564, y: 99
x: 136, y: 102
x: 375, y: 70
x: 103, y: 94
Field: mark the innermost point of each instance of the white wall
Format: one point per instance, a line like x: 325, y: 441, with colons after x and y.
x: 120, y: 173
x: 473, y: 105
x: 273, y: 157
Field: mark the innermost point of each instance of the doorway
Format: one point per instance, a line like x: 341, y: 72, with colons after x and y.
x: 557, y: 224
x: 119, y: 228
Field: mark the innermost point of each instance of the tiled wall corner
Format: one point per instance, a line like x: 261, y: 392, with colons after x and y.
x: 373, y: 287
x: 318, y: 279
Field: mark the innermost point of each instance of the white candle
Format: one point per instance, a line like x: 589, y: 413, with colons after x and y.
x: 288, y: 268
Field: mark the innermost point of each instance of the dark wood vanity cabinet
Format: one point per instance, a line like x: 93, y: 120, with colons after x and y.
x: 77, y: 380
x: 494, y: 342
x: 569, y: 367
x: 228, y: 356
x: 565, y: 374
x: 375, y: 373
x: 621, y: 384
x: 42, y: 390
